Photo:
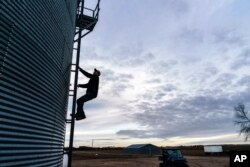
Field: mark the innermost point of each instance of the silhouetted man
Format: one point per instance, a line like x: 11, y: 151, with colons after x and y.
x: 91, y: 93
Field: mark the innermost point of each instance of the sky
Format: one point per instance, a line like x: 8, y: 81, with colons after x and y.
x: 171, y: 73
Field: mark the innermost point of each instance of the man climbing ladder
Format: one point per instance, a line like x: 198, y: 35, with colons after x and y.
x: 91, y: 93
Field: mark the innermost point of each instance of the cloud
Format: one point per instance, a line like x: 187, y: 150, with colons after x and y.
x: 114, y: 83
x: 108, y: 74
x: 203, y: 75
x: 163, y: 66
x: 134, y: 133
x: 177, y: 7
x: 243, y: 97
x: 244, y: 81
x: 228, y: 37
x: 153, y: 81
x: 225, y: 80
x: 117, y: 89
x: 242, y: 60
x: 191, y: 36
x: 132, y: 56
x: 204, y: 114
x: 211, y: 70
x: 162, y: 91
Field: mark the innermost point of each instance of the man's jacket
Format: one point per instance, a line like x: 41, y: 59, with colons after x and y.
x: 92, y: 85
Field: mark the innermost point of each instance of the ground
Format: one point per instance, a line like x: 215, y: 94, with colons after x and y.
x: 82, y: 159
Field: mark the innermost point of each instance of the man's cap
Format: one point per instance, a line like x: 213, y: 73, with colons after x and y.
x: 98, y: 72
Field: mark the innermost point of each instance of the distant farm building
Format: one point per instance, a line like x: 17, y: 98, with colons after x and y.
x: 146, y: 149
x: 213, y: 149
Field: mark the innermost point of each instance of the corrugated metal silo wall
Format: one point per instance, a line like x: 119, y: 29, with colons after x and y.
x: 35, y: 54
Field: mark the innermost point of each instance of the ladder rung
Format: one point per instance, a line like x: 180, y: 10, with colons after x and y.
x: 73, y: 64
x: 65, y: 151
x: 75, y: 48
x: 71, y: 95
x: 68, y: 120
x: 75, y: 40
x: 73, y: 70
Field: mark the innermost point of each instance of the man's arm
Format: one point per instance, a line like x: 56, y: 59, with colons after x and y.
x: 85, y: 73
x: 82, y: 85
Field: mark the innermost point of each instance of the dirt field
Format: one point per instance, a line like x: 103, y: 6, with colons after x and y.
x: 108, y: 160
x: 206, y: 161
x: 135, y: 162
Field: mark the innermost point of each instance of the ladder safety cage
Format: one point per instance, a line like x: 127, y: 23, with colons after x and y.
x: 83, y: 26
x: 86, y: 21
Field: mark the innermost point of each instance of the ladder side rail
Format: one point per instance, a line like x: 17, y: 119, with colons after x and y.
x: 97, y: 9
x: 72, y: 125
x: 82, y: 7
x: 78, y: 34
x: 74, y: 101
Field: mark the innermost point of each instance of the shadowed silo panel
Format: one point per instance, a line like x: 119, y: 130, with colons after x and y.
x: 36, y: 39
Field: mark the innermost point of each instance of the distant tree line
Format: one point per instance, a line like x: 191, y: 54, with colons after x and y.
x: 99, y: 148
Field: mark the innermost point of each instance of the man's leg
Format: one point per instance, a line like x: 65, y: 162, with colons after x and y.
x: 80, y: 103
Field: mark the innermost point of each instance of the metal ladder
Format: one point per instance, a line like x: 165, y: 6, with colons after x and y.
x: 84, y: 25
